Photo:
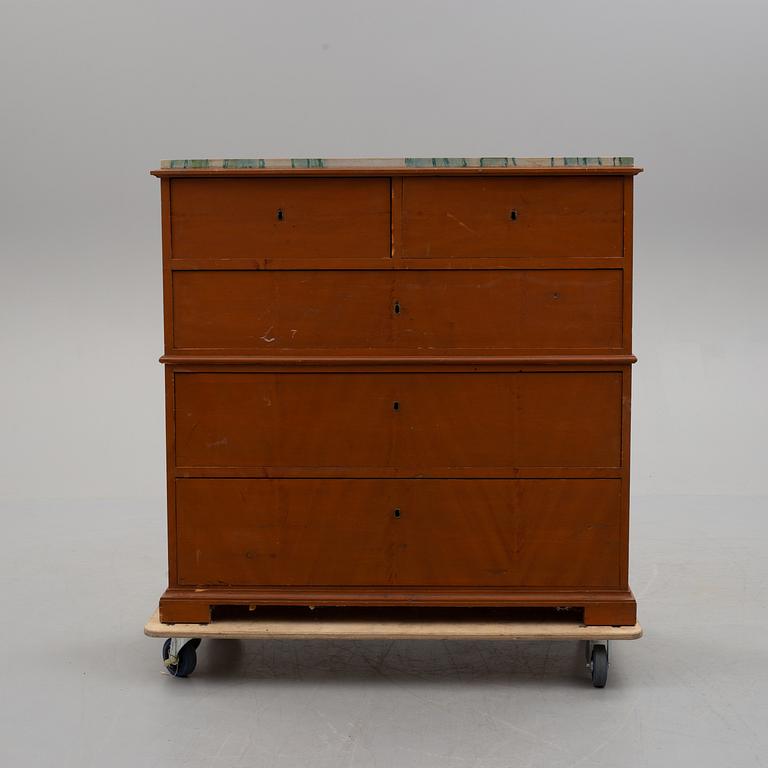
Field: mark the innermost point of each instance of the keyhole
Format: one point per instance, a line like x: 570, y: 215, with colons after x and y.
x: 513, y: 215
x: 396, y: 513
x: 397, y: 308
x: 396, y: 405
x: 280, y: 214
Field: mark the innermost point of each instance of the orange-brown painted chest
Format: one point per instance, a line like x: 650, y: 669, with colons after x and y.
x: 404, y: 386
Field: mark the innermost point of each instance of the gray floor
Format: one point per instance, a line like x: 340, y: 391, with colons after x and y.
x: 81, y: 686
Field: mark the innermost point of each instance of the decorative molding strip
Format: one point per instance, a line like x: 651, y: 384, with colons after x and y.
x: 186, y: 359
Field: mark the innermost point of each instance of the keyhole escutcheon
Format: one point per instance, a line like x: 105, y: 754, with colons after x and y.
x: 396, y: 405
x: 396, y: 513
x: 513, y: 215
x: 280, y: 214
x: 396, y: 308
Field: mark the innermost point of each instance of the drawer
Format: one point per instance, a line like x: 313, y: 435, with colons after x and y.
x: 416, y: 421
x: 368, y: 310
x: 504, y: 533
x: 512, y: 217
x: 280, y: 219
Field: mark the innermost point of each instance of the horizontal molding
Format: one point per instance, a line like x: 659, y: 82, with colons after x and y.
x: 396, y: 171
x: 362, y: 595
x: 396, y: 263
x: 407, y: 473
x: 383, y: 360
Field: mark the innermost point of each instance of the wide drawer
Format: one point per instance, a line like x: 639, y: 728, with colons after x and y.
x: 364, y: 310
x: 280, y: 218
x: 510, y: 217
x: 418, y: 421
x: 516, y: 533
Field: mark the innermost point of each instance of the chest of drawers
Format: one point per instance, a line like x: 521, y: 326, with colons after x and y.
x: 398, y: 382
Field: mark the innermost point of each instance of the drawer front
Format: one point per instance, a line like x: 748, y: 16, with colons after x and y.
x: 265, y: 311
x: 419, y: 421
x: 515, y: 533
x: 280, y: 218
x: 512, y: 217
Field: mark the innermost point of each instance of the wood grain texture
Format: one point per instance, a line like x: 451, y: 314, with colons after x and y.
x: 266, y: 311
x: 420, y: 422
x: 532, y: 217
x: 280, y: 218
x: 522, y: 533
x: 302, y: 305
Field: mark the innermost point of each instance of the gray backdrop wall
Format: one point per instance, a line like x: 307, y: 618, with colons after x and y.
x: 94, y: 94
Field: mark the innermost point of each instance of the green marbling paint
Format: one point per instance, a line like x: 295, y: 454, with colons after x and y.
x: 407, y: 162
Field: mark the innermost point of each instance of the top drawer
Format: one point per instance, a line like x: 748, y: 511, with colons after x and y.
x: 277, y: 218
x: 562, y: 216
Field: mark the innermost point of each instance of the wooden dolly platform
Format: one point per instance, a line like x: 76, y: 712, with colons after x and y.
x: 182, y: 640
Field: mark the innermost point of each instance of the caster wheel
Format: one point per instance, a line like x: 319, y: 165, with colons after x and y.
x: 599, y: 666
x: 186, y: 661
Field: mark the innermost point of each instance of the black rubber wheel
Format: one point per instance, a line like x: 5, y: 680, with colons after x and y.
x: 599, y: 666
x: 187, y: 659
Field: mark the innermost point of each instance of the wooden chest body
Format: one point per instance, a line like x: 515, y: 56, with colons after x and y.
x: 398, y: 384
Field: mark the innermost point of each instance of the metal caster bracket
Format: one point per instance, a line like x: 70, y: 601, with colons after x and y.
x: 590, y: 644
x: 177, y: 643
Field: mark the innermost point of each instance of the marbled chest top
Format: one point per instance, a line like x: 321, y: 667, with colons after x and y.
x: 405, y: 162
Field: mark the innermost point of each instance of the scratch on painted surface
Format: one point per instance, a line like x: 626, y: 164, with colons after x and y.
x: 460, y: 222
